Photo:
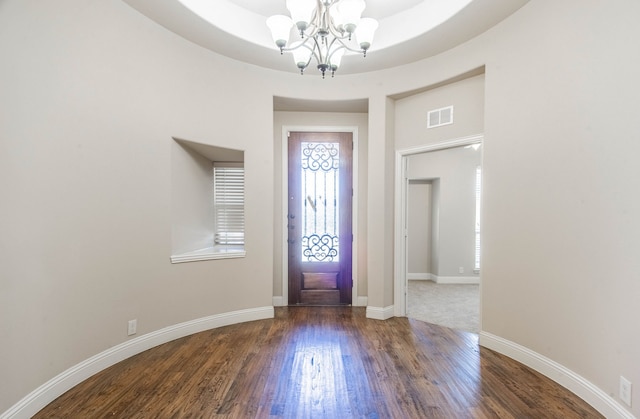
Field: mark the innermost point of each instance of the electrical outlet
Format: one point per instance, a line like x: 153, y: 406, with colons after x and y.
x: 625, y: 390
x: 132, y: 326
x: 461, y: 270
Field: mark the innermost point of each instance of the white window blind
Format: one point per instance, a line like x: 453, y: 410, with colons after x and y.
x: 228, y: 203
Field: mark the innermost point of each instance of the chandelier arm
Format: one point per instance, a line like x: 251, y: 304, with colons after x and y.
x: 313, y: 55
x: 332, y: 29
x: 331, y: 54
x: 347, y: 47
x: 331, y: 50
x: 317, y: 51
x: 314, y: 26
x: 311, y: 32
x: 337, y: 34
x: 301, y: 44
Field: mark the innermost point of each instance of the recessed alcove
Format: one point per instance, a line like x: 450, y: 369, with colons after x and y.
x: 192, y: 201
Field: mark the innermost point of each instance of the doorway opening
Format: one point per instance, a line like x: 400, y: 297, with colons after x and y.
x: 437, y: 233
x: 318, y: 193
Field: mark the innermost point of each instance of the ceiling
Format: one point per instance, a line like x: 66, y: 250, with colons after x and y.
x: 375, y: 8
x: 409, y: 30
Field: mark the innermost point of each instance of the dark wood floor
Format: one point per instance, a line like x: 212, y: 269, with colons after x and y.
x: 320, y: 362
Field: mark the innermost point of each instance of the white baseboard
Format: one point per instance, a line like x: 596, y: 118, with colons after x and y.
x: 379, y: 313
x: 361, y: 301
x: 278, y: 301
x: 52, y: 389
x: 575, y: 383
x: 443, y: 279
x: 457, y: 279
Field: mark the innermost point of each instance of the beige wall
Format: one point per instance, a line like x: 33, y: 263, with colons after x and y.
x: 90, y: 103
x: 419, y: 231
x: 467, y: 98
x: 92, y: 93
x: 455, y: 168
x: 560, y: 272
x: 191, y: 203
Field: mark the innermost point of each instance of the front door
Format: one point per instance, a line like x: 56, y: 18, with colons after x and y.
x: 319, y: 218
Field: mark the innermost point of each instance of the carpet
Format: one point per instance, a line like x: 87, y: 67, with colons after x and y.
x: 451, y: 305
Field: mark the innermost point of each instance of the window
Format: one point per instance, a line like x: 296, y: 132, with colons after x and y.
x: 228, y: 204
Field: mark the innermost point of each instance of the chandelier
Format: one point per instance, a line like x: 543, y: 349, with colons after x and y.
x: 326, y: 30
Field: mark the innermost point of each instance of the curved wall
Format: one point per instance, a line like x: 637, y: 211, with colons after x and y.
x: 92, y: 93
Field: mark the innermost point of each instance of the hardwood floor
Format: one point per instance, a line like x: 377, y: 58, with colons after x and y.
x: 320, y: 362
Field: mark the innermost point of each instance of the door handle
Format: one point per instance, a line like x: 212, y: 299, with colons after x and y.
x: 292, y: 216
x: 291, y: 241
x: 291, y: 226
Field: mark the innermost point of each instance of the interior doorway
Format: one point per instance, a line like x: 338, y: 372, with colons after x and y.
x: 319, y: 218
x: 437, y: 233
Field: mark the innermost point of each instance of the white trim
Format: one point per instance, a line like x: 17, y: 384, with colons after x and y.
x: 400, y: 262
x: 52, y: 389
x: 457, y: 279
x: 458, y: 142
x: 575, y: 383
x: 400, y: 217
x: 210, y: 253
x: 285, y: 192
x: 379, y: 313
x: 443, y: 279
x: 278, y: 301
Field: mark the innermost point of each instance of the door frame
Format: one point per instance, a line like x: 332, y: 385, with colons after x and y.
x: 355, y: 300
x: 400, y: 217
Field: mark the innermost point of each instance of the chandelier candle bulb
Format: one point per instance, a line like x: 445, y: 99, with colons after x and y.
x: 280, y: 26
x: 301, y: 56
x: 336, y: 59
x: 365, y: 31
x: 325, y: 28
x: 351, y: 10
x: 301, y: 12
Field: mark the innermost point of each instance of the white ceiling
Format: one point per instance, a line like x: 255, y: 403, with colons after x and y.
x: 409, y: 30
x: 377, y: 9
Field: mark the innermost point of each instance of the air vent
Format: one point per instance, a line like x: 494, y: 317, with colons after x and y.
x: 440, y: 117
